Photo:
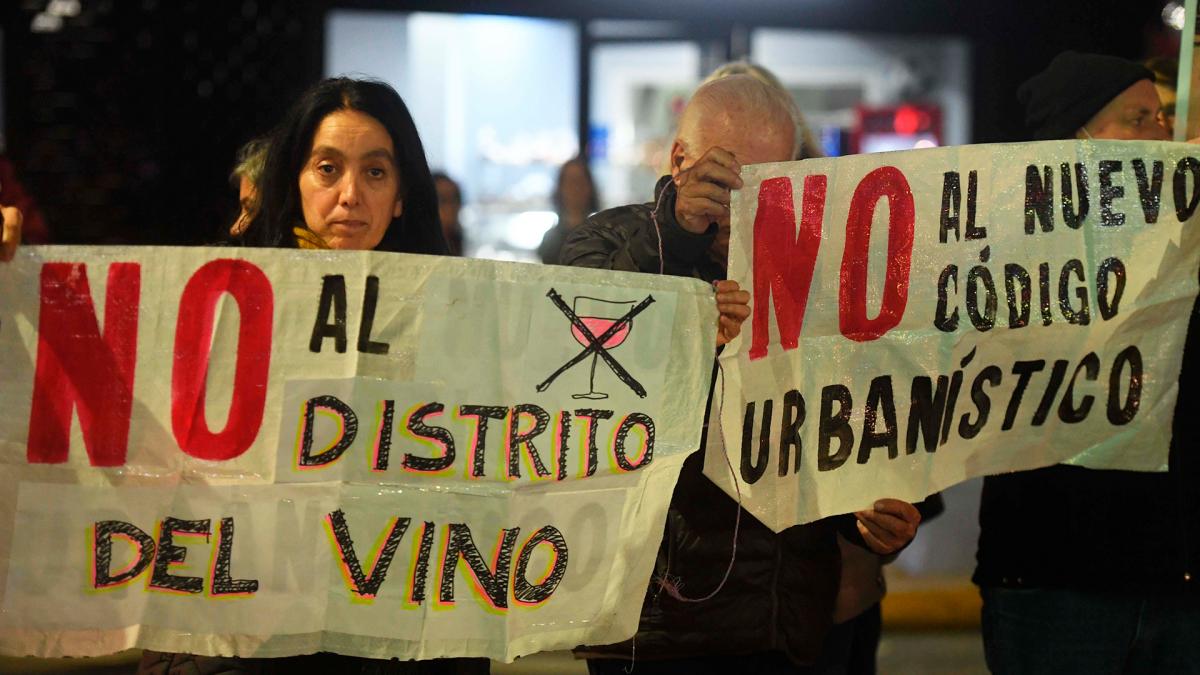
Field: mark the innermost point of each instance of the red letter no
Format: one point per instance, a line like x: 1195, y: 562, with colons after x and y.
x: 784, y: 261
x: 886, y: 181
x: 193, y: 337
x: 77, y: 368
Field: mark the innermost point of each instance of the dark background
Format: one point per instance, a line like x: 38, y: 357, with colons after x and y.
x: 124, y: 124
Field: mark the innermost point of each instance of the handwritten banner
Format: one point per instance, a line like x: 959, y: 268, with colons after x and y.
x: 924, y: 317
x: 267, y: 453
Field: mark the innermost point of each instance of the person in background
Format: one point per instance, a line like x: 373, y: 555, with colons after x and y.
x: 773, y: 613
x: 574, y: 200
x: 450, y: 201
x: 245, y: 177
x: 33, y: 227
x: 1086, y: 570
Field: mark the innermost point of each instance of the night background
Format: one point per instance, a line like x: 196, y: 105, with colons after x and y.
x: 123, y: 124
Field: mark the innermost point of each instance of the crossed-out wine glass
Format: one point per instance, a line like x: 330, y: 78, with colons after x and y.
x: 599, y: 315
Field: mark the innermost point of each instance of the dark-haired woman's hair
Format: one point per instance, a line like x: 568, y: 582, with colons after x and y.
x: 417, y: 230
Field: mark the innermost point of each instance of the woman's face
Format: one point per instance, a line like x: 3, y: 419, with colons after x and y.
x: 350, y: 186
x: 576, y: 189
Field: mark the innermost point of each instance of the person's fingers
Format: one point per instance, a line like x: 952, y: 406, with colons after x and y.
x: 696, y: 209
x: 712, y: 172
x: 891, y: 521
x: 734, y: 307
x: 727, y: 330
x: 705, y: 190
x: 891, y: 540
x: 886, y: 522
x: 735, y: 311
x: 734, y: 297
x: 723, y: 157
x: 876, y: 528
x: 11, y: 236
x: 900, y: 509
x: 873, y: 541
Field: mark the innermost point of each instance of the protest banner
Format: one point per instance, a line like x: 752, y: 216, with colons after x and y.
x: 267, y: 453
x: 924, y: 317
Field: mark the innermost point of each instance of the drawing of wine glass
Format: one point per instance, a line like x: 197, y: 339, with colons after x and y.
x: 600, y: 315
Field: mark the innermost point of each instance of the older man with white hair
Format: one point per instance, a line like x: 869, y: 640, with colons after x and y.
x: 773, y: 612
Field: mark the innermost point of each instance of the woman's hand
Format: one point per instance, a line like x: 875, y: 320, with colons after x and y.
x: 734, y: 305
x: 12, y: 232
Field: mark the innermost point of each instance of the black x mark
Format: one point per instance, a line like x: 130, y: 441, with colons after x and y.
x: 595, y: 344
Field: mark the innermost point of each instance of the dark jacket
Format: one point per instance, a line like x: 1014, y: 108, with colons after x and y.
x: 1066, y: 527
x: 780, y: 593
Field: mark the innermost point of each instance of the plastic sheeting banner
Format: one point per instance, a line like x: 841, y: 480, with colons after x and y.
x: 265, y: 453
x: 924, y: 317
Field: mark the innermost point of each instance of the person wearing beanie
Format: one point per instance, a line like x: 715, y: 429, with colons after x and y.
x: 1092, y: 96
x: 1083, y: 570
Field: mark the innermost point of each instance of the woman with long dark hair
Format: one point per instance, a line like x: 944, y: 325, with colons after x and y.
x: 345, y: 169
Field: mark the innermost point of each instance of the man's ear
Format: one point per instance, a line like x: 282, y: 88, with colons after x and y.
x: 399, y: 208
x: 677, y: 154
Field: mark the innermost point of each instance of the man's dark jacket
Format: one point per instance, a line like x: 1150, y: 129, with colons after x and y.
x: 1066, y: 527
x: 780, y: 593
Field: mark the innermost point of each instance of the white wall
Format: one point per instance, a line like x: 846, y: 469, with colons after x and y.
x: 495, y: 100
x: 626, y: 173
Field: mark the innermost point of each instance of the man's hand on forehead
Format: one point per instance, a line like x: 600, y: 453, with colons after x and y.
x: 703, y: 190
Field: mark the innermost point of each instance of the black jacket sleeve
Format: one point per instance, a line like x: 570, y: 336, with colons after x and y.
x: 627, y: 239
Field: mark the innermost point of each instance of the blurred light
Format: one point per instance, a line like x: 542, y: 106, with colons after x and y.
x: 526, y: 229
x: 925, y: 143
x: 60, y: 8
x: 1173, y: 15
x: 906, y: 120
x: 46, y: 23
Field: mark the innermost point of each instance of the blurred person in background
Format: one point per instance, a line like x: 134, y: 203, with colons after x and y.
x: 773, y: 612
x: 345, y: 169
x: 33, y: 228
x: 450, y: 201
x: 1088, y: 570
x: 245, y: 177
x: 575, y: 199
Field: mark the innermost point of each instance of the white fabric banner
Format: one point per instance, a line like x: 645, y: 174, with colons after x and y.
x: 925, y: 317
x: 267, y: 453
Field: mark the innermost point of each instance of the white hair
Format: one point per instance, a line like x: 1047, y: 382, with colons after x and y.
x: 736, y: 99
x: 805, y: 145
